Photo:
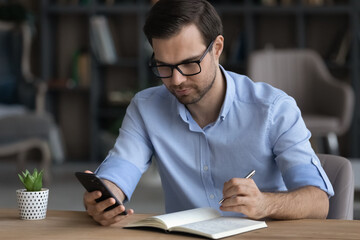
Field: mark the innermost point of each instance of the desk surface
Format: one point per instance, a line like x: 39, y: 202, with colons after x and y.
x: 78, y: 225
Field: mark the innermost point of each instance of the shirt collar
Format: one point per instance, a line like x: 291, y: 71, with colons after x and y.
x: 230, y: 93
x: 229, y: 98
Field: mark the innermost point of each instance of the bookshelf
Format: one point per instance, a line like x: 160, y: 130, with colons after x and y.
x: 248, y: 26
x: 65, y: 28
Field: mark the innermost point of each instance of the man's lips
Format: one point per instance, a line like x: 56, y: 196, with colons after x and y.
x: 182, y: 92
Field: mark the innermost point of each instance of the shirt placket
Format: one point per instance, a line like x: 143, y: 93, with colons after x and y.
x: 206, y: 172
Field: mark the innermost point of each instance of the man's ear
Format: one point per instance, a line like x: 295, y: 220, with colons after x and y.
x: 218, y: 46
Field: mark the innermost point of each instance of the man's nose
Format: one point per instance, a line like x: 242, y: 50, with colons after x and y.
x: 177, y: 78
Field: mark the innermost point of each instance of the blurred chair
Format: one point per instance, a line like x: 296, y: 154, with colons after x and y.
x: 24, y: 124
x: 325, y: 102
x: 340, y: 173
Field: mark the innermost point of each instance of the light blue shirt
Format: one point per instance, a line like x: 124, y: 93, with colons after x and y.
x: 259, y: 127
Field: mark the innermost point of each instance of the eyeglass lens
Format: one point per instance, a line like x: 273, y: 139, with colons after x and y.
x: 185, y: 69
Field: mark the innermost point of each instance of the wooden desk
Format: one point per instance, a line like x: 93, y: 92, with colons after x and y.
x: 66, y: 225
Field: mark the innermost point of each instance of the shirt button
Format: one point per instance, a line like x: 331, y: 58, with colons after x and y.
x: 206, y: 168
x: 315, y: 162
x: 212, y: 196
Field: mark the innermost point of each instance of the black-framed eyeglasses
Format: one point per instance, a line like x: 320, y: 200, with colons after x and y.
x: 185, y: 68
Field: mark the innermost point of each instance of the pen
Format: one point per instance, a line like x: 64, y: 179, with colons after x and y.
x: 250, y: 175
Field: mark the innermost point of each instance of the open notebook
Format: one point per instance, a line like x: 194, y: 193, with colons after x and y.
x: 205, y: 222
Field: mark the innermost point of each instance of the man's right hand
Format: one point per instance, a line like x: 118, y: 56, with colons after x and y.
x: 96, y: 209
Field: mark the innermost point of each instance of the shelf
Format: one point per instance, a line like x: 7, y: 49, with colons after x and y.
x: 69, y: 10
x: 99, y: 9
x: 70, y: 90
x: 123, y: 62
x: 293, y: 9
x: 64, y: 85
x: 123, y: 8
x: 328, y: 10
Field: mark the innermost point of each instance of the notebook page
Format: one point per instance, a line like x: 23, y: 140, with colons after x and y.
x: 224, y: 226
x: 188, y: 216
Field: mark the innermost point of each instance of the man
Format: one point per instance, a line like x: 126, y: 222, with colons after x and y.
x: 208, y: 128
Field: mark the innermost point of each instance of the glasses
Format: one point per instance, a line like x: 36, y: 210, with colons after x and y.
x: 186, y: 68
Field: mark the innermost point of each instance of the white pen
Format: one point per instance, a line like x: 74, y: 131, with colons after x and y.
x: 250, y: 175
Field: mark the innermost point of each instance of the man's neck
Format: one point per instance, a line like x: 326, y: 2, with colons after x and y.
x: 208, y: 108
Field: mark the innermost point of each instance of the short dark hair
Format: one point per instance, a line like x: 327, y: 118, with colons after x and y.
x: 167, y: 17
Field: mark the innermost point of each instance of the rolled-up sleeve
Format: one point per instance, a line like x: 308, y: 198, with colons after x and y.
x: 121, y: 172
x: 131, y: 154
x: 289, y: 139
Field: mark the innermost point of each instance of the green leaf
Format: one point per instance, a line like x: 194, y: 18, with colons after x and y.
x: 32, y: 182
x: 32, y: 178
x: 38, y: 183
x: 29, y: 182
x: 21, y: 178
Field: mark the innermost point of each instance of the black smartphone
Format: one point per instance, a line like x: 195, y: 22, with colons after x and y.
x: 91, y: 182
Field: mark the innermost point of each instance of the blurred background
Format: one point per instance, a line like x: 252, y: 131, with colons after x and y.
x: 69, y: 68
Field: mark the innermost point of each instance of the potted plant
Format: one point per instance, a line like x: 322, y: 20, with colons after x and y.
x: 32, y: 200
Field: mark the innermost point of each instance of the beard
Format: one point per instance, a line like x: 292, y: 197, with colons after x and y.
x: 196, y: 92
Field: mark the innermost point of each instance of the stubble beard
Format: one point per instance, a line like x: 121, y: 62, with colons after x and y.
x: 199, y: 93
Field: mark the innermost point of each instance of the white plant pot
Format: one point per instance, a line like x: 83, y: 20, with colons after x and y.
x: 32, y: 205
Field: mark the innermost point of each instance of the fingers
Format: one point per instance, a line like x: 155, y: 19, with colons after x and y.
x: 238, y: 187
x: 238, y: 208
x: 101, y: 206
x: 236, y: 204
x: 96, y: 210
x: 90, y: 197
x: 113, y: 216
x: 236, y: 201
x: 244, y: 205
x: 243, y: 196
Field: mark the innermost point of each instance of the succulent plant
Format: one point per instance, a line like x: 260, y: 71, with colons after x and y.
x: 32, y: 182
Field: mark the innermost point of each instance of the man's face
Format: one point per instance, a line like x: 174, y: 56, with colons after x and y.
x: 186, y: 46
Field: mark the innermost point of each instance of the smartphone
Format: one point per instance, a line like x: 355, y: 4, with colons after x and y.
x: 91, y: 182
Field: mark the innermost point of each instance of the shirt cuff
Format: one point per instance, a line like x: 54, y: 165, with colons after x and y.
x: 121, y: 172
x: 308, y: 175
